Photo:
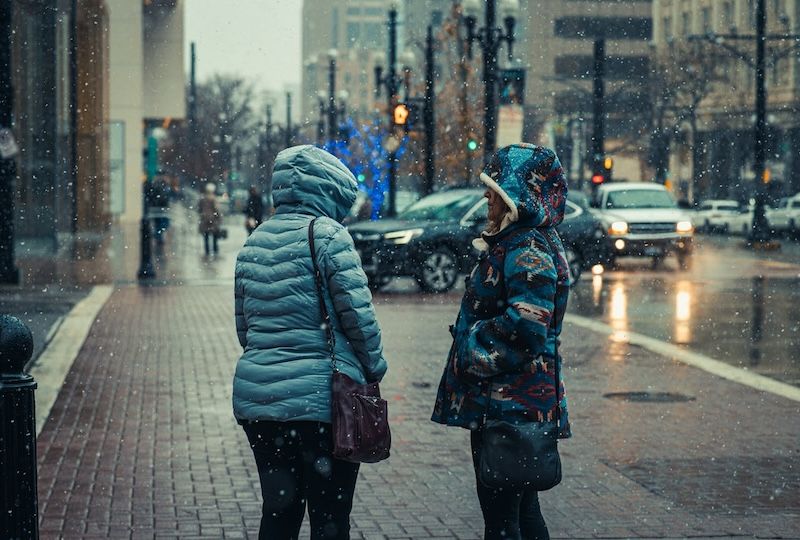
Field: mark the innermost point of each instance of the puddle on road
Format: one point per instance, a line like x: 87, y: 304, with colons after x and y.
x: 752, y: 323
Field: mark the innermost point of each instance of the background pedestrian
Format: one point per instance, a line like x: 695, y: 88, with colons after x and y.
x: 210, y: 219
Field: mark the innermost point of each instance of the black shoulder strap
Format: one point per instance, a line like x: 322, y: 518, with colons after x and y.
x: 323, y: 309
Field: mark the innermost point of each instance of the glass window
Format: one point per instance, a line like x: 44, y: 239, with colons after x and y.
x: 353, y: 32
x: 640, y: 198
x: 448, y: 205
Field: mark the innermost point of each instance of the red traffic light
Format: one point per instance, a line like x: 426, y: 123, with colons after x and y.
x: 597, y: 179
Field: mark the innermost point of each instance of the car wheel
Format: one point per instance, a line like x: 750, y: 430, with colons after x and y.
x: 725, y: 229
x: 707, y: 227
x: 575, y: 262
x: 438, y: 271
x: 745, y: 230
x: 792, y: 231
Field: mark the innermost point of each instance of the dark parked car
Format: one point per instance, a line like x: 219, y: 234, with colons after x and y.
x: 432, y: 239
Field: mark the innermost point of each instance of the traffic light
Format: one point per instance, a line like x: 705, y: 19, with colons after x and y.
x: 400, y: 114
x: 608, y: 167
x: 472, y: 144
x: 597, y: 179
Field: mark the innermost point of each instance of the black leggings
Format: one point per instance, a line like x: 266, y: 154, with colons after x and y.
x: 296, y: 467
x: 507, y: 514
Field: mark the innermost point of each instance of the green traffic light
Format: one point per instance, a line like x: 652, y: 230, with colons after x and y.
x: 472, y: 145
x: 361, y: 178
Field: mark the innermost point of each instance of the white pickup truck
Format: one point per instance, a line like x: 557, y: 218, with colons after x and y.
x: 643, y: 220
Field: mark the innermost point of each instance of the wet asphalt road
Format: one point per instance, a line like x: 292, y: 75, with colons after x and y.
x: 733, y: 304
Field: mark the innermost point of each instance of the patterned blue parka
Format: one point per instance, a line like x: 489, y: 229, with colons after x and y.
x: 510, y: 319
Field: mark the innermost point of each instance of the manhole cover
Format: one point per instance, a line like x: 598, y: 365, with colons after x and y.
x: 650, y: 397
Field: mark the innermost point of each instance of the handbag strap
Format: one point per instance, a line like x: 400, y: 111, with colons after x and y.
x: 323, y: 308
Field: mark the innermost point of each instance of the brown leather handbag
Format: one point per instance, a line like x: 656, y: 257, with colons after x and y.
x: 358, y: 414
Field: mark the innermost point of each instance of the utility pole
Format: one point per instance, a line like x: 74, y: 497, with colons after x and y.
x: 193, y: 111
x: 391, y: 86
x: 288, y: 119
x: 428, y: 113
x: 73, y: 113
x: 332, y: 98
x: 598, y: 131
x: 490, y: 38
x: 8, y: 168
x: 321, y: 123
x: 760, y: 231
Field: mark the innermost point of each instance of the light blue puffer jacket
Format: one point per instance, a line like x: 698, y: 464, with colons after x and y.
x: 285, y: 370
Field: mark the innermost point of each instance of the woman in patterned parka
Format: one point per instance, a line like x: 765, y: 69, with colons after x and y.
x: 506, y: 333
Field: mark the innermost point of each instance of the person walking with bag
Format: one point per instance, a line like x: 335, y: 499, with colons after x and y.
x: 303, y: 368
x: 503, y: 377
x: 210, y: 219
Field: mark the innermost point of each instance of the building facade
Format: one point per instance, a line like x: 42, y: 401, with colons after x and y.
x: 356, y: 30
x: 557, y: 52
x: 61, y: 91
x: 721, y: 165
x: 147, y: 91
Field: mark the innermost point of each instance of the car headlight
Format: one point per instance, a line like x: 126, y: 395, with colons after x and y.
x: 618, y: 227
x: 684, y: 227
x: 403, y: 237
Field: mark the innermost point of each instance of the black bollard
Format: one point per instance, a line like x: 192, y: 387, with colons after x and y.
x: 19, y: 510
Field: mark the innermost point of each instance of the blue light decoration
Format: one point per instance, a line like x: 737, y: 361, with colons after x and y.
x: 360, y: 147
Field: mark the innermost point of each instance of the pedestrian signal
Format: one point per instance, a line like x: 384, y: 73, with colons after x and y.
x: 401, y: 113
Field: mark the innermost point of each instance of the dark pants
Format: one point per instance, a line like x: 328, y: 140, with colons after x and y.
x: 210, y: 236
x: 296, y: 467
x: 507, y: 514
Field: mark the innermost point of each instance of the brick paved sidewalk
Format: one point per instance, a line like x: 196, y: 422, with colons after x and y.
x: 141, y: 442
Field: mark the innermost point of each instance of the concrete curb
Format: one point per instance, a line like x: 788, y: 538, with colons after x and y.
x: 700, y: 361
x: 52, y: 366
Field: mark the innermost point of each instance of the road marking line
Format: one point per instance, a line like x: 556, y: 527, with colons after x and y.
x: 700, y: 361
x: 51, y: 367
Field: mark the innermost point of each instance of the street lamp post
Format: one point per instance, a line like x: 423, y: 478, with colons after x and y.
x: 8, y: 171
x: 321, y: 120
x: 760, y: 231
x: 428, y: 114
x: 490, y: 38
x: 391, y: 80
x: 332, y: 96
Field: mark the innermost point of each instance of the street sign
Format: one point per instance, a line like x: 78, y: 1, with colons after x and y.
x: 8, y: 146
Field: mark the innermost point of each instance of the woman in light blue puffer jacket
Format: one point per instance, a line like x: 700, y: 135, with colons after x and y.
x: 282, y: 385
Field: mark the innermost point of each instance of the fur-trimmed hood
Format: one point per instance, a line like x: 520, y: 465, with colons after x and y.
x: 531, y: 182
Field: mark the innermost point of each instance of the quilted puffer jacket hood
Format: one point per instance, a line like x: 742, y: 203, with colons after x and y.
x: 531, y: 181
x: 309, y: 180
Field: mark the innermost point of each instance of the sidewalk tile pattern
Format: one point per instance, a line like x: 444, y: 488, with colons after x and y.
x: 141, y: 442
